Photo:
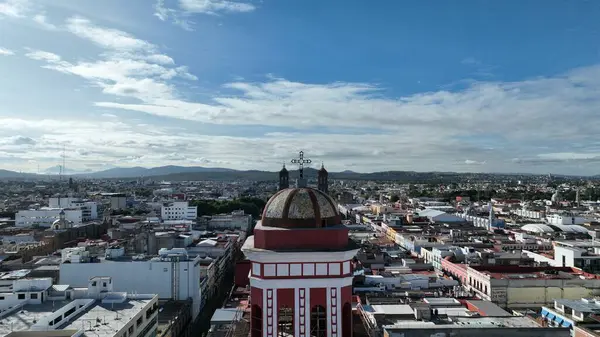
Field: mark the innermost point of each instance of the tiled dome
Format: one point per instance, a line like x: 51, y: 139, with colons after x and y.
x: 300, y: 208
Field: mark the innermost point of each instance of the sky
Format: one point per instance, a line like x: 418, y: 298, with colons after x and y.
x: 423, y: 85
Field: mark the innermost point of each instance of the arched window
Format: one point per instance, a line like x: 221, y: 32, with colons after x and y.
x: 318, y: 322
x: 257, y: 324
x: 347, y: 320
x: 285, y: 322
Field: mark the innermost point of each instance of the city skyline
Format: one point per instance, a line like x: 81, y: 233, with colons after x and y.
x: 469, y: 87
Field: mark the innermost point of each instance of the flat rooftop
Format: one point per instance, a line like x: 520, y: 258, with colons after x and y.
x: 468, y: 323
x: 26, y: 317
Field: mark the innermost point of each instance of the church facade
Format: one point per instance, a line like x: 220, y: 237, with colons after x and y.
x: 301, y: 274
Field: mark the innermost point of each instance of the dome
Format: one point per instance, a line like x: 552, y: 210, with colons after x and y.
x: 300, y: 208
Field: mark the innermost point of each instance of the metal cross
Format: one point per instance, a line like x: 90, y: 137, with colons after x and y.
x: 301, y: 161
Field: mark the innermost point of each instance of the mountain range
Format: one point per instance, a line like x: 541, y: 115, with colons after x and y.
x: 181, y: 173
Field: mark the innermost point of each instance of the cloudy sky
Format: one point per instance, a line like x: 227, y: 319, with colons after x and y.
x: 485, y: 86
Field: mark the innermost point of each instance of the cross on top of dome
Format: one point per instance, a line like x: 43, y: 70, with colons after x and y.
x: 301, y: 161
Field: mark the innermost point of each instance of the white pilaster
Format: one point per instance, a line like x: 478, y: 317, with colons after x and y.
x: 275, y: 313
x: 328, y: 308
x: 339, y: 312
x: 297, y: 312
x: 265, y: 312
x: 307, y: 315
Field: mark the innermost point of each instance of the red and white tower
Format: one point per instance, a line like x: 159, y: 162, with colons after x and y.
x: 301, y: 275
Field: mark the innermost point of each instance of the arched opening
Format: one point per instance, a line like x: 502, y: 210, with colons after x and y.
x: 285, y: 322
x: 318, y: 321
x: 256, y: 321
x: 347, y: 320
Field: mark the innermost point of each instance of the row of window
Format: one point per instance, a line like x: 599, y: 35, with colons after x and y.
x: 285, y: 322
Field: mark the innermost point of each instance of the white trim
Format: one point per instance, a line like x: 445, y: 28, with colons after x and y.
x: 300, y: 283
x: 269, y: 256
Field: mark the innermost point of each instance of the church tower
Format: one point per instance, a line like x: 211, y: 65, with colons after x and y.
x: 284, y: 178
x: 301, y: 274
x: 322, y: 181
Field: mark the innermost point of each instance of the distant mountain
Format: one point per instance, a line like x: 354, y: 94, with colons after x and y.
x: 57, y: 170
x: 135, y: 172
x: 6, y: 174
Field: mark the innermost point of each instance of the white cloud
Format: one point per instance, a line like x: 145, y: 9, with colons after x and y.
x: 106, y: 37
x: 14, y: 8
x: 42, y: 20
x: 43, y: 56
x: 215, y: 6
x: 6, y: 52
x: 179, y: 12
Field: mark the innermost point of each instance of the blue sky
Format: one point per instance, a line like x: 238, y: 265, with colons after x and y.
x: 485, y: 86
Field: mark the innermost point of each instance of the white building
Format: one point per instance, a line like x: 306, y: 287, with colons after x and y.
x: 235, y: 220
x: 171, y: 275
x: 89, y: 209
x: 36, y: 308
x: 560, y: 219
x: 178, y: 210
x: 46, y: 216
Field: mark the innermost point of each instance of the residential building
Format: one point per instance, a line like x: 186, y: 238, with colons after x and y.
x: 89, y: 209
x: 178, y: 210
x: 46, y: 216
x: 37, y: 308
x: 235, y: 220
x: 173, y: 274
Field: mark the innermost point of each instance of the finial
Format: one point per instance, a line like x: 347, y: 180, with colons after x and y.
x: 322, y: 165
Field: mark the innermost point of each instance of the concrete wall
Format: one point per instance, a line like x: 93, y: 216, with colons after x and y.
x: 143, y: 277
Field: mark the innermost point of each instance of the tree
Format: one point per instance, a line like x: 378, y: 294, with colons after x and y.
x: 394, y: 198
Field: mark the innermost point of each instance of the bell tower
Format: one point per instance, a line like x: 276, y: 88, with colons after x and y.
x: 322, y: 181
x: 301, y: 274
x: 284, y: 178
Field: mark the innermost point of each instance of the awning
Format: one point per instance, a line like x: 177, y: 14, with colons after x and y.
x: 566, y: 324
x: 558, y: 320
x: 550, y: 315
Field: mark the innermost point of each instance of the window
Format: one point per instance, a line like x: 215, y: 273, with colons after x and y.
x: 33, y: 296
x: 318, y: 321
x: 256, y: 321
x: 93, y: 283
x: 130, y: 330
x: 285, y: 323
x: 140, y: 321
x: 21, y: 296
x: 347, y: 320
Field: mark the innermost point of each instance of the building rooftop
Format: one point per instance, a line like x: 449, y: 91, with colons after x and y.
x: 468, y: 323
x: 97, y: 320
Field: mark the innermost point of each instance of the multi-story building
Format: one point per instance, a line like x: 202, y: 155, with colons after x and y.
x: 36, y: 308
x: 524, y: 287
x: 46, y: 216
x: 578, y: 254
x: 235, y: 220
x: 178, y: 210
x: 89, y: 209
x: 118, y: 201
x: 173, y: 274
